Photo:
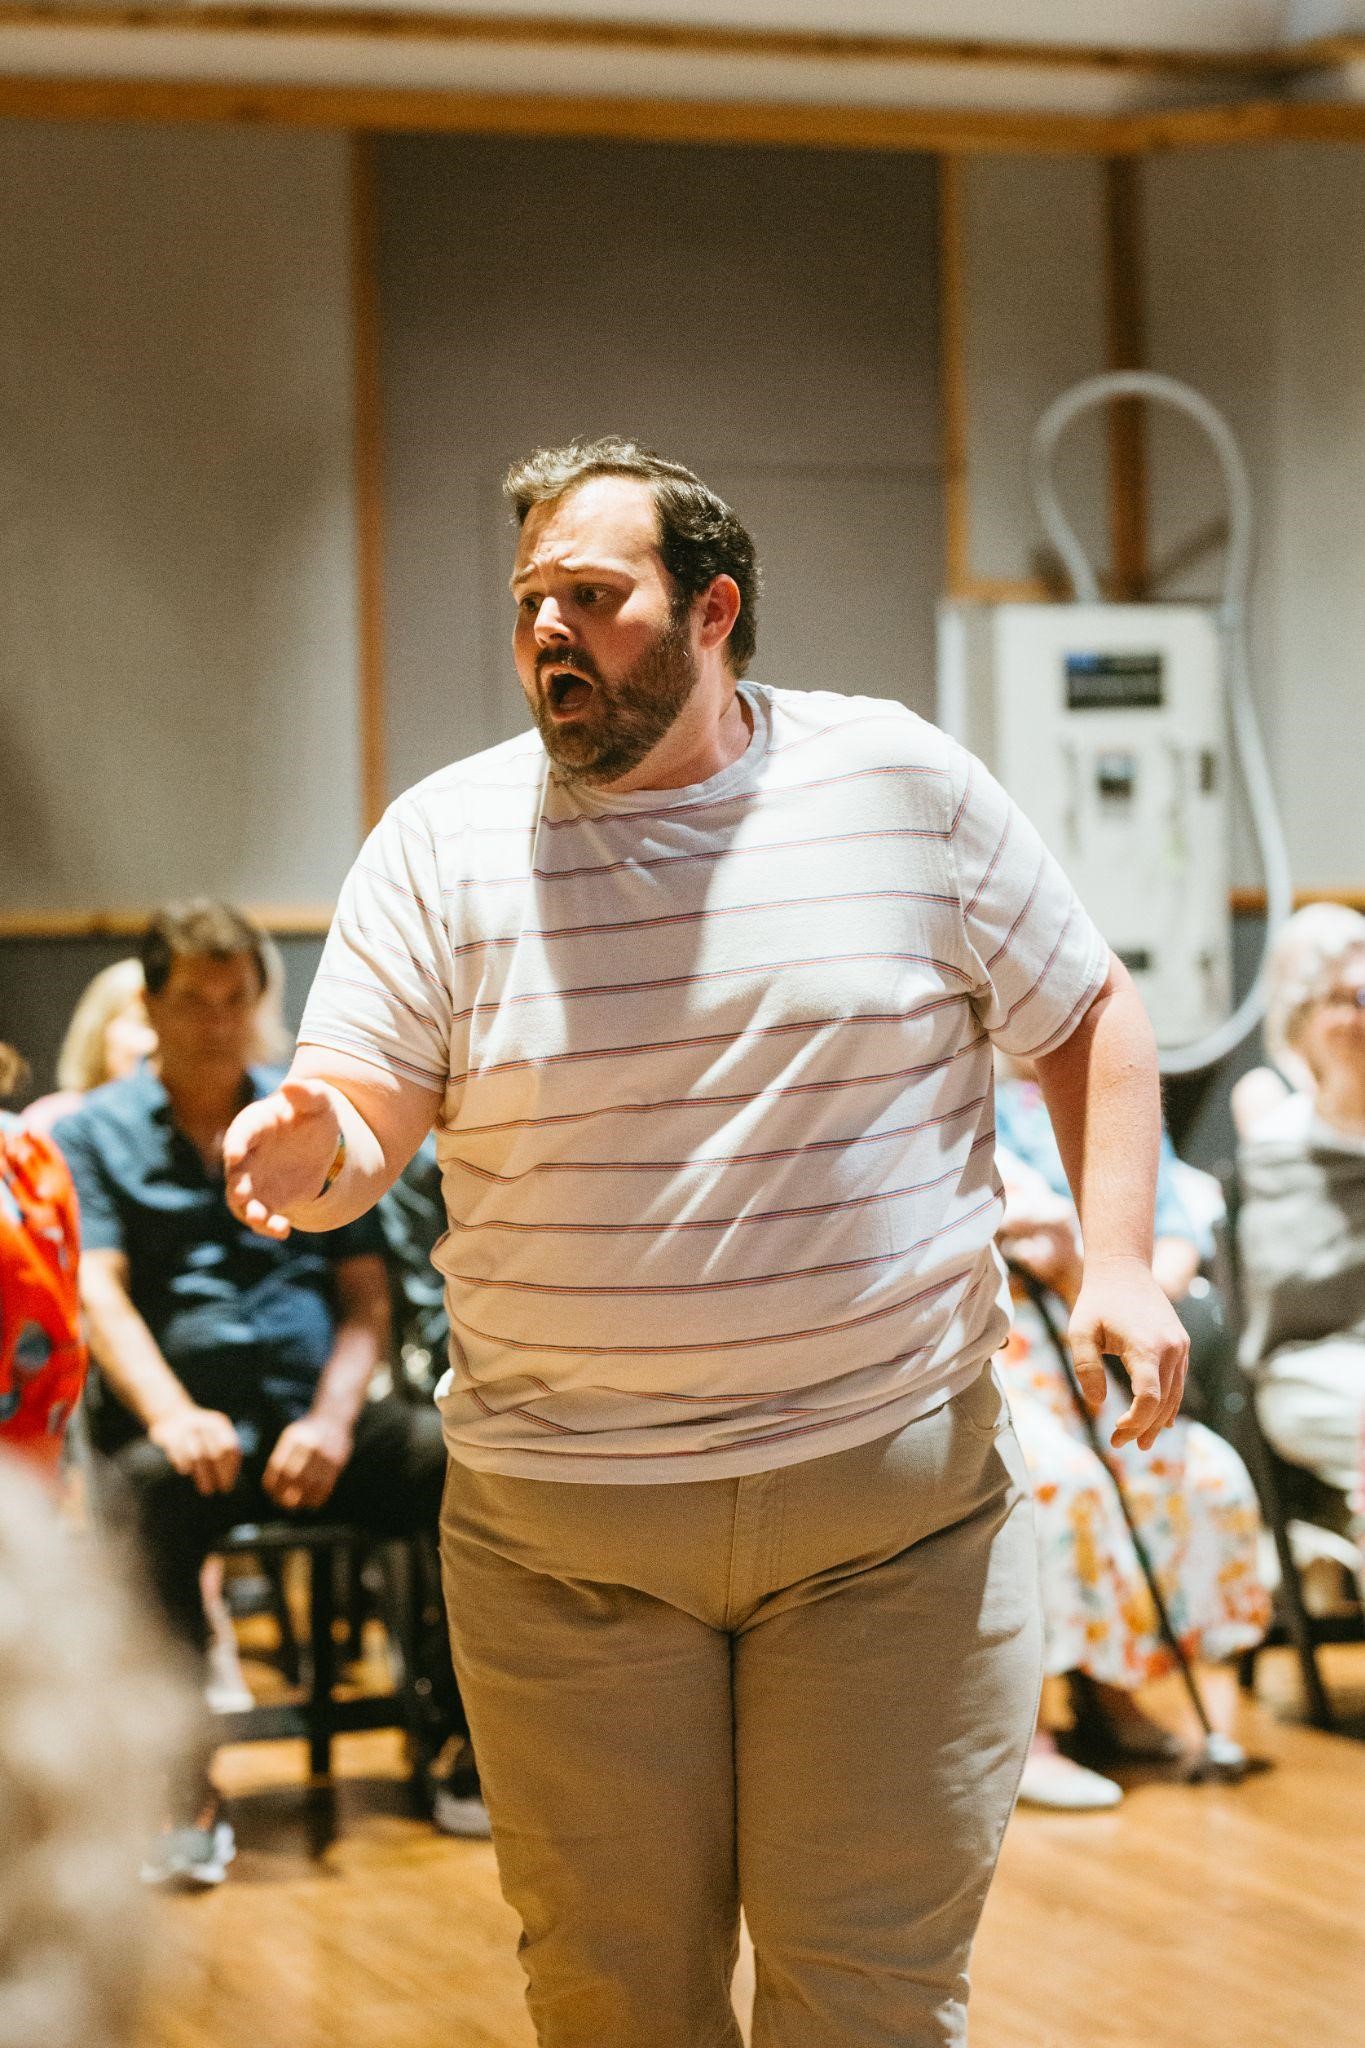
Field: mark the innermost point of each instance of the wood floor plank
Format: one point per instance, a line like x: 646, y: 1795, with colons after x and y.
x: 1193, y: 1916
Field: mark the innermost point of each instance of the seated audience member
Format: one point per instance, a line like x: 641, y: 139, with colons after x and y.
x: 107, y: 1036
x: 90, y: 1725
x: 42, y: 1356
x: 232, y: 1369
x: 1302, y: 1225
x: 412, y: 1216
x: 1024, y: 1129
x: 1194, y: 1506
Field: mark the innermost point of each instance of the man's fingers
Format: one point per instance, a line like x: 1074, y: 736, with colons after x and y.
x: 265, y: 1222
x: 1089, y: 1368
x: 1143, y: 1415
x: 247, y: 1129
x: 1176, y: 1367
x: 1159, y: 1384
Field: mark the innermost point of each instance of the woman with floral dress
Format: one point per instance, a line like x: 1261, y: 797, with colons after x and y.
x: 1191, y: 1498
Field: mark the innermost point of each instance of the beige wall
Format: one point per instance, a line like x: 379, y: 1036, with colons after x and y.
x: 1032, y: 255
x: 177, y: 588
x: 768, y: 315
x: 177, y: 613
x: 1257, y: 279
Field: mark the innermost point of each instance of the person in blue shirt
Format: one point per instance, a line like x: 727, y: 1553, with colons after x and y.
x: 232, y: 1370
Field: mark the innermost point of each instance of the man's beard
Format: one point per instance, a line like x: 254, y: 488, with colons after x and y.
x: 625, y: 719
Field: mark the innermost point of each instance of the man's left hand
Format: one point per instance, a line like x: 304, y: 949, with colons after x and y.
x: 1122, y: 1311
x: 307, y: 1462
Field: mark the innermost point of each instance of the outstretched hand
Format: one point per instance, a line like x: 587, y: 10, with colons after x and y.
x: 277, y: 1153
x: 1122, y: 1311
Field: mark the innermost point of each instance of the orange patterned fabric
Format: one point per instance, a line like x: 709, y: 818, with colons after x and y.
x: 42, y: 1357
x: 1194, y: 1505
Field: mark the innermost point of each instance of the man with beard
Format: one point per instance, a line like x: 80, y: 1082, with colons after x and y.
x: 698, y: 983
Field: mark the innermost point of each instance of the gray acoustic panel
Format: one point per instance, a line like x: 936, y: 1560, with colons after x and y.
x: 768, y: 316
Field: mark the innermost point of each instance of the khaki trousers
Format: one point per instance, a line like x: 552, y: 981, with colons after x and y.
x: 809, y: 1692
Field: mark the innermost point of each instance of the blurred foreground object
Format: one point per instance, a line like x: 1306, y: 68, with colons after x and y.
x: 89, y: 1723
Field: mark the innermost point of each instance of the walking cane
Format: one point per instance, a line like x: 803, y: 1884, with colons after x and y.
x: 1219, y: 1756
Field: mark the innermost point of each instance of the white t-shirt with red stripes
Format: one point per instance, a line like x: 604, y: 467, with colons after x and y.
x: 717, y: 1131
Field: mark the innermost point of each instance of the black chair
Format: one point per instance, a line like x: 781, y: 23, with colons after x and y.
x: 1285, y: 1493
x: 320, y: 1715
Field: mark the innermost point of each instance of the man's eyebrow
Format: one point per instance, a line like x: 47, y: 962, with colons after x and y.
x: 584, y: 568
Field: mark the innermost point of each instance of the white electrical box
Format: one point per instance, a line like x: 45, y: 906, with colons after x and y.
x: 1106, y: 725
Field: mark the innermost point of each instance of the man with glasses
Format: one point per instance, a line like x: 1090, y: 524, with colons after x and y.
x: 232, y: 1371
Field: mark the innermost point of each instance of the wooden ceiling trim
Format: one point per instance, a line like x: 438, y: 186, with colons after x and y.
x: 382, y: 24
x: 606, y: 117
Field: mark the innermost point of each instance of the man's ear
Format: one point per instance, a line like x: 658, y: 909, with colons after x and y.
x: 717, y: 609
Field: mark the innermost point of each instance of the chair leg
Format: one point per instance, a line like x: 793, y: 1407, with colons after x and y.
x: 272, y: 1566
x: 1297, y: 1621
x: 322, y: 1676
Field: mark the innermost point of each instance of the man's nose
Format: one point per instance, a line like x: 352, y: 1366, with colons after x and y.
x: 550, y: 626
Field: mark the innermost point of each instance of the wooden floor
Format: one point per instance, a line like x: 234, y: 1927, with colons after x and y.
x: 1211, y: 1916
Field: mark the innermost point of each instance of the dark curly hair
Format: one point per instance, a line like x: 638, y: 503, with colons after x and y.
x: 699, y: 536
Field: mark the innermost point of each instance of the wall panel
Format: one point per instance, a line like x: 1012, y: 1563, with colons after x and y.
x: 177, y: 608
x: 768, y: 315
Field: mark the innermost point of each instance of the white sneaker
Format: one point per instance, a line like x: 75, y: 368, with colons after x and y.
x: 464, y: 1816
x: 1052, y: 1780
x: 457, y: 1806
x: 191, y: 1856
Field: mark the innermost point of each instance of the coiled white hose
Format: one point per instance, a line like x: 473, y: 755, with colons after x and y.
x: 1232, y: 622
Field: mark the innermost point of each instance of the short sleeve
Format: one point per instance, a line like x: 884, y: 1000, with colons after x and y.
x: 1039, y: 961
x: 382, y: 989
x: 101, y: 1225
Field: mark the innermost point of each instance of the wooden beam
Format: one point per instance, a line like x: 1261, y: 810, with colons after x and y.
x: 1125, y: 350
x: 289, y: 920
x: 1252, y: 902
x: 1226, y: 127
x: 369, y: 480
x: 287, y: 20
x: 1006, y: 590
x: 606, y: 117
x: 955, y: 131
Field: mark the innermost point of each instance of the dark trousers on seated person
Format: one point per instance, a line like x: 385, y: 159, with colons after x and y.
x: 390, y: 1487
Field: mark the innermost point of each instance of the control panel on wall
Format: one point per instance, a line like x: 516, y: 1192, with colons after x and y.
x: 1106, y: 725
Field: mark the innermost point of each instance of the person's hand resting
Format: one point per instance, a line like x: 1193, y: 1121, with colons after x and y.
x: 202, y: 1445
x: 306, y: 1462
x: 1122, y: 1312
x: 277, y: 1153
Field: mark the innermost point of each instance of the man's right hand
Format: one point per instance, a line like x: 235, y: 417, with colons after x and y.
x: 202, y: 1445
x: 277, y: 1153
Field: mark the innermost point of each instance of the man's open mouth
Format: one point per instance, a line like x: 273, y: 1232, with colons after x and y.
x: 567, y: 690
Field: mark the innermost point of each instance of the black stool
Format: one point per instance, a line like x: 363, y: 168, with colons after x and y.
x: 320, y: 1715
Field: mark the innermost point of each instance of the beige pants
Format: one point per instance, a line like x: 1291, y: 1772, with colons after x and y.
x: 809, y: 1691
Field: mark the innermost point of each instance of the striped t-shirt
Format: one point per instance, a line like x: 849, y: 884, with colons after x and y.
x: 716, y: 1134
